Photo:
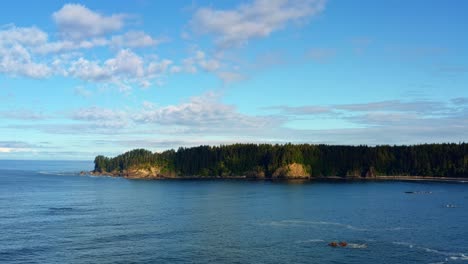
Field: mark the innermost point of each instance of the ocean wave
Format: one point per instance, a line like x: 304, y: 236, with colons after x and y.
x: 461, y: 257
x: 293, y: 223
x: 403, y: 244
x: 287, y: 223
x: 311, y: 241
x: 60, y: 173
x: 355, y: 245
x: 101, y: 176
x: 398, y: 228
x: 451, y: 255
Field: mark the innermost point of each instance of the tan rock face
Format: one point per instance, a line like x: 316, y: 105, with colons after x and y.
x: 137, y: 173
x: 291, y: 171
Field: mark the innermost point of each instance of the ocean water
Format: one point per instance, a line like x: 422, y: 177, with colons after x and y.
x: 51, y: 214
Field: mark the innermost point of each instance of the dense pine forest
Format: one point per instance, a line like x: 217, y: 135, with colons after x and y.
x: 265, y: 160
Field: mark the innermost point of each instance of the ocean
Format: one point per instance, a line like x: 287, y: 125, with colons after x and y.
x: 51, y: 214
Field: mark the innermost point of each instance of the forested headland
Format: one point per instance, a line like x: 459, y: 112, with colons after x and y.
x: 290, y: 161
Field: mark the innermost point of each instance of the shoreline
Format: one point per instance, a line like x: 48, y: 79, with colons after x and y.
x: 304, y: 179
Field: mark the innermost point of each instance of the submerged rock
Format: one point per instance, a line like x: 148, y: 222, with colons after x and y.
x: 333, y: 244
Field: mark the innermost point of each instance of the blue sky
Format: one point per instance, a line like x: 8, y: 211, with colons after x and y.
x: 79, y: 79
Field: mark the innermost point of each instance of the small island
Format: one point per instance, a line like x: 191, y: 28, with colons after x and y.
x: 291, y: 161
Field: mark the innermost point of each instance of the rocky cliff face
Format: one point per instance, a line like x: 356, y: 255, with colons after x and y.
x: 147, y: 172
x: 291, y: 171
x: 142, y: 173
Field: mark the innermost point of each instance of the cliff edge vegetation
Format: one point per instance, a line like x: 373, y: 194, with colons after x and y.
x: 304, y: 161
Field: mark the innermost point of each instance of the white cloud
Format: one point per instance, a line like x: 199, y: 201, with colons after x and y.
x: 159, y: 67
x: 30, y: 56
x: 88, y: 70
x: 198, y: 60
x: 77, y: 22
x: 391, y: 109
x: 135, y: 39
x: 124, y: 70
x: 189, y: 66
x: 209, y: 65
x: 205, y: 63
x: 199, y: 55
x: 68, y: 45
x: 131, y: 39
x: 303, y: 110
x: 230, y: 77
x: 255, y: 20
x: 6, y: 150
x: 29, y: 52
x: 98, y: 114
x: 22, y: 114
x: 126, y: 63
x: 28, y: 36
x: 14, y: 146
x: 16, y: 60
x: 206, y: 118
x: 203, y: 112
x: 396, y: 106
x: 125, y: 67
x: 175, y: 69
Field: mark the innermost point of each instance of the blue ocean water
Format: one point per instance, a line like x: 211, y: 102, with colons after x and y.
x: 50, y: 214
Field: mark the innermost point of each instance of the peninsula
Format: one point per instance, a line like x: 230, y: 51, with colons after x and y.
x: 290, y: 161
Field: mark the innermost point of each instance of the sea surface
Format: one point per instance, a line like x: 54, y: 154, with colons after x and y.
x: 51, y: 214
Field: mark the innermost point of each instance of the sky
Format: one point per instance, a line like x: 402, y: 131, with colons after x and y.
x: 78, y: 79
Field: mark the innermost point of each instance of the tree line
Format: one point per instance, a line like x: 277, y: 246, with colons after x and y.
x: 448, y: 160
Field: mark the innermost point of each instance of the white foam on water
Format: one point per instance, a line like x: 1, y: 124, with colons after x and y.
x: 315, y: 223
x: 102, y: 176
x: 460, y: 257
x: 451, y: 255
x: 403, y: 244
x: 311, y: 241
x: 396, y: 228
x: 354, y: 245
x: 291, y: 223
x: 59, y: 173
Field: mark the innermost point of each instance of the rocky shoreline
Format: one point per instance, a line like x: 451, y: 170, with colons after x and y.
x: 156, y: 176
x: 140, y: 175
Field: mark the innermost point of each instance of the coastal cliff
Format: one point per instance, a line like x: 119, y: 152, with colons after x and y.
x: 291, y: 171
x: 304, y: 161
x: 138, y: 172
